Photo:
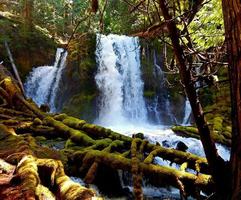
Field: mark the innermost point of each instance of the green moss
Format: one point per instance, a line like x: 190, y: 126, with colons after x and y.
x: 228, y: 129
x: 186, y: 129
x: 227, y: 132
x: 74, y: 122
x: 81, y: 105
x: 217, y: 124
x: 40, y: 138
x: 218, y: 136
x: 37, y: 121
x: 61, y: 116
x: 149, y: 94
x: 69, y: 143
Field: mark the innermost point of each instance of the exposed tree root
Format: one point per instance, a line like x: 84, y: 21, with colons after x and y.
x: 38, y: 178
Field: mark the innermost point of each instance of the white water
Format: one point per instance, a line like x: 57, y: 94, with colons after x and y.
x: 122, y: 106
x: 119, y: 80
x: 166, y: 137
x: 187, y: 113
x: 42, y: 84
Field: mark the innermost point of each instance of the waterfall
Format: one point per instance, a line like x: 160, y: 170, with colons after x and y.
x: 187, y: 113
x: 42, y: 83
x: 119, y: 80
x: 157, y: 70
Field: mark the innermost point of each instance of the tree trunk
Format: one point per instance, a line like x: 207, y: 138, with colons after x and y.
x: 216, y: 163
x: 232, y: 21
x: 28, y: 14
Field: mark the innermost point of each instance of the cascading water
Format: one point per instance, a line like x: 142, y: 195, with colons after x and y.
x: 187, y: 113
x: 42, y: 83
x: 119, y: 80
x: 121, y: 95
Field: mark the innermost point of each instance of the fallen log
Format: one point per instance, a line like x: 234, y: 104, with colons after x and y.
x: 179, y: 157
x: 30, y: 180
x: 161, y: 175
x: 88, y: 147
x: 136, y: 169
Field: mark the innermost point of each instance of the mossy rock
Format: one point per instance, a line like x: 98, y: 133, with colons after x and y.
x: 188, y: 131
x: 81, y: 106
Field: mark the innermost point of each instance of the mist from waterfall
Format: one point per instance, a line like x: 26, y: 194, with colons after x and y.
x: 42, y: 84
x: 119, y: 80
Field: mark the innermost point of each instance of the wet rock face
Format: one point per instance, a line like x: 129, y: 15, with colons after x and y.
x: 181, y: 146
x: 165, y: 143
x: 139, y: 135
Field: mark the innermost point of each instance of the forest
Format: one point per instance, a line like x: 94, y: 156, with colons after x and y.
x: 120, y: 99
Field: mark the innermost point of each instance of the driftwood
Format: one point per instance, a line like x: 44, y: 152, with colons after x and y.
x: 88, y: 147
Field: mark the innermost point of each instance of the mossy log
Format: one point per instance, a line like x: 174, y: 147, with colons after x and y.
x: 173, y: 155
x: 36, y: 178
x: 76, y: 136
x: 161, y: 175
x: 15, y: 97
x: 136, y: 170
x: 92, y: 130
x: 107, y: 146
x: 88, y: 147
x: 194, y: 162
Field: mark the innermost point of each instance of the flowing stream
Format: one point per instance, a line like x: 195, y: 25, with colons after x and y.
x: 42, y: 84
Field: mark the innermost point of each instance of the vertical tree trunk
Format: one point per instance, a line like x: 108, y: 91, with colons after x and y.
x: 28, y: 14
x: 232, y: 22
x: 216, y: 163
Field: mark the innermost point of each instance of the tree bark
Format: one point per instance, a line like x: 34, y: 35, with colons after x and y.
x: 216, y: 163
x: 232, y: 22
x: 27, y: 14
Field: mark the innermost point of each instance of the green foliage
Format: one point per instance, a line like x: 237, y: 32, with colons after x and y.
x: 207, y: 28
x: 30, y: 48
